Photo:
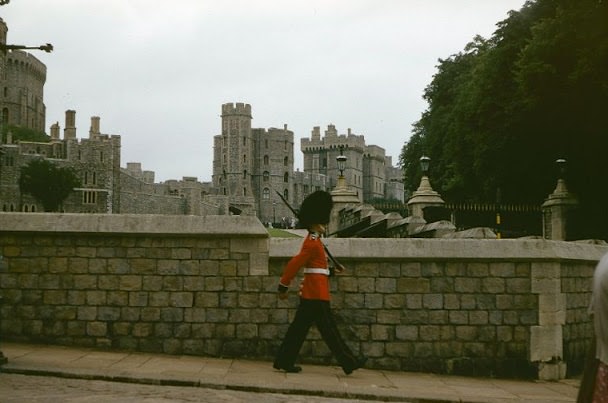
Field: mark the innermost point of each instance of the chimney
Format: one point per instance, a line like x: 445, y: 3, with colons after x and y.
x: 55, y: 131
x: 69, y: 133
x: 94, y: 130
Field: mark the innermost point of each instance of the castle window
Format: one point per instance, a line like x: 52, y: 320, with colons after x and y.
x: 245, y: 174
x: 86, y: 178
x: 89, y: 197
x: 224, y: 191
x: 25, y: 208
x: 286, y: 194
x: 4, y: 207
x: 33, y: 209
x: 266, y: 143
x: 101, y: 156
x: 266, y: 194
x: 285, y: 145
x: 244, y: 191
x: 266, y: 159
x: 286, y: 177
x: 79, y: 155
x: 286, y: 161
x: 266, y: 176
x: 244, y: 141
x: 6, y: 91
x: 94, y: 178
x: 244, y: 158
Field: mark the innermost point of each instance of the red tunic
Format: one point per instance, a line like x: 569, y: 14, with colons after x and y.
x: 311, y: 255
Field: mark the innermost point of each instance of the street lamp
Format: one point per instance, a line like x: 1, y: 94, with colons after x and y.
x: 424, y: 164
x: 341, y: 159
x: 48, y: 48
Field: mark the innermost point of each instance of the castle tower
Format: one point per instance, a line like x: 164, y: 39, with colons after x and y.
x: 234, y: 152
x: 22, y: 78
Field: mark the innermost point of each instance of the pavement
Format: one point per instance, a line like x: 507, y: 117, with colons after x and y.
x: 259, y: 376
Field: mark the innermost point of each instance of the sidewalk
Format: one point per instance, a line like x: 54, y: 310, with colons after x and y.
x: 256, y: 376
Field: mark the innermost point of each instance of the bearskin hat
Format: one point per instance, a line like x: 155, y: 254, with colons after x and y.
x: 315, y: 209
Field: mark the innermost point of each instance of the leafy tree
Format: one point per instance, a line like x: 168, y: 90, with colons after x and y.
x: 47, y: 183
x: 505, y: 108
x: 24, y: 134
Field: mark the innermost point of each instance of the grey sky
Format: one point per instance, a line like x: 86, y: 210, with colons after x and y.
x: 157, y: 71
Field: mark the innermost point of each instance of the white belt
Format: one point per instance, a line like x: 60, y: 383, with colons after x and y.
x: 310, y: 270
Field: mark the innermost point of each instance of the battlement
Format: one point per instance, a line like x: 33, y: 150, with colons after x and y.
x: 238, y: 108
x: 26, y: 62
x: 332, y: 140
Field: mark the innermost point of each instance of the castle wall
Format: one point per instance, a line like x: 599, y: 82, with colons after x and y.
x: 207, y: 286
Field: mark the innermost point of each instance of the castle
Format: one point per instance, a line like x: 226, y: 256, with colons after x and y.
x: 250, y: 165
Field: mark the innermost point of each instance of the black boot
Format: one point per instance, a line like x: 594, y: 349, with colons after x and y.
x: 293, y: 369
x: 358, y: 364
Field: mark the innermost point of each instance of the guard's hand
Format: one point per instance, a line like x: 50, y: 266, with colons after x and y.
x: 282, y: 295
x: 339, y: 269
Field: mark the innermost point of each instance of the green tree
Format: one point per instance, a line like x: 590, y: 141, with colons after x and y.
x: 505, y: 108
x: 24, y: 134
x: 47, y: 183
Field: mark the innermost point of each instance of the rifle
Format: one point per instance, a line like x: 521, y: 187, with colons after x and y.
x: 331, y: 257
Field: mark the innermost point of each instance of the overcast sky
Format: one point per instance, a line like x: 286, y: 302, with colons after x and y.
x: 157, y: 71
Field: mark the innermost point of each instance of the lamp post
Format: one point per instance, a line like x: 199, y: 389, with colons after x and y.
x: 424, y: 196
x: 341, y: 161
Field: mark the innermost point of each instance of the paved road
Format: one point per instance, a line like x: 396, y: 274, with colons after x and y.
x: 40, y: 389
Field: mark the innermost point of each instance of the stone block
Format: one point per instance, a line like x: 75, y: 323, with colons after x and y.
x: 158, y: 299
x: 432, y: 301
x: 173, y: 283
x: 403, y: 332
x: 413, y: 285
x: 258, y: 263
x: 546, y: 343
x: 97, y: 329
x: 551, y: 309
x: 181, y: 299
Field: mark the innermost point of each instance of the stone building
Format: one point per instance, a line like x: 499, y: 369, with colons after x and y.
x: 252, y: 165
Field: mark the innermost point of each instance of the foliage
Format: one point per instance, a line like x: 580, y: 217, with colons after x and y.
x: 504, y: 109
x: 24, y: 134
x: 47, y: 183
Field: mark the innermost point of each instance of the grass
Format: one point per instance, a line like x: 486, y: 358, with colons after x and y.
x: 279, y: 233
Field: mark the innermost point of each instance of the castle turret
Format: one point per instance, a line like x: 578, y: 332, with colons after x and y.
x: 69, y: 133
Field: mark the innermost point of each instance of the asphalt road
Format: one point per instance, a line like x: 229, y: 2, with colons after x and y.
x: 40, y: 389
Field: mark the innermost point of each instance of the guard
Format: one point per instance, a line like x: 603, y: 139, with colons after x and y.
x: 314, y: 292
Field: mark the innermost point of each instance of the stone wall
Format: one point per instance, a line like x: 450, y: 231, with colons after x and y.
x: 206, y: 286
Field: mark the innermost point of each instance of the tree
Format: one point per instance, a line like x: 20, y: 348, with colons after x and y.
x: 47, y: 183
x: 505, y: 108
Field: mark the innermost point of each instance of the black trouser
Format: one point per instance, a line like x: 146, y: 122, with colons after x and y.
x: 318, y: 312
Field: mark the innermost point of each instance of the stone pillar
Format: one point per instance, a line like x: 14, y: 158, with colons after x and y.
x: 342, y: 197
x: 423, y: 197
x: 546, y: 339
x: 555, y: 210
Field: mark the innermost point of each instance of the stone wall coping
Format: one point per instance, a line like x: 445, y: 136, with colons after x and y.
x: 151, y: 224
x: 448, y: 249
